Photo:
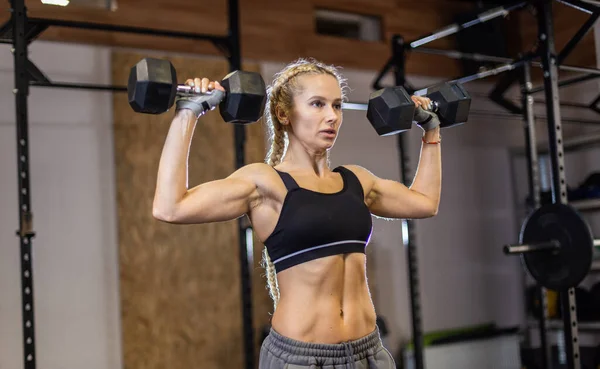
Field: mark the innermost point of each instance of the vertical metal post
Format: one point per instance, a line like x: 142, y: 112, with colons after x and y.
x: 559, y: 187
x: 25, y: 232
x: 399, y: 59
x: 244, y: 230
x: 534, y: 192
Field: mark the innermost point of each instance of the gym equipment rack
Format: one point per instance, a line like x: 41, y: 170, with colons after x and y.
x: 20, y: 31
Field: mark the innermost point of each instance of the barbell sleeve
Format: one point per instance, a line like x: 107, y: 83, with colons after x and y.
x: 535, y: 247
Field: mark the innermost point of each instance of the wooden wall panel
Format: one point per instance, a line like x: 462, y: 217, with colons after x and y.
x: 567, y: 22
x: 179, y: 284
x: 280, y: 31
x: 272, y: 30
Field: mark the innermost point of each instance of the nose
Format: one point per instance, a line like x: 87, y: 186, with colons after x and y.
x: 332, y: 115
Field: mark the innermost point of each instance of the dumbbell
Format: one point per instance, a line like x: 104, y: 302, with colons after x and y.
x: 391, y: 110
x: 152, y: 88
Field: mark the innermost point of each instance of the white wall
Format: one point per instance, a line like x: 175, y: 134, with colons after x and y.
x: 75, y: 264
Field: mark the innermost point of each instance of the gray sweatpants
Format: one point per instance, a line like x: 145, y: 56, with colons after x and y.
x: 279, y: 352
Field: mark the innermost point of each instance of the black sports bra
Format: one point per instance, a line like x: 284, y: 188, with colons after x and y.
x: 313, y: 225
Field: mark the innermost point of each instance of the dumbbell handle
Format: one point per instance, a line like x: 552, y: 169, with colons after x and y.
x: 201, y: 102
x: 190, y: 90
x: 434, y: 106
x: 552, y: 245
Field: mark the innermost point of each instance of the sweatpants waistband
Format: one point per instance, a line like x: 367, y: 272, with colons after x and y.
x: 355, y: 350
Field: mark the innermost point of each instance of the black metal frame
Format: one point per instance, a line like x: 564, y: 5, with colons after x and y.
x: 550, y: 62
x: 535, y: 193
x: 20, y: 31
x: 398, y: 61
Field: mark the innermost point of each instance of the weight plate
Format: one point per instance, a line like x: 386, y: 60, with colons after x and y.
x: 565, y: 268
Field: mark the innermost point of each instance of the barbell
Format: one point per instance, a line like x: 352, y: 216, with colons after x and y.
x: 556, y: 246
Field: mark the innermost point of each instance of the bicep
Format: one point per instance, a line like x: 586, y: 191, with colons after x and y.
x: 391, y: 199
x: 215, y: 201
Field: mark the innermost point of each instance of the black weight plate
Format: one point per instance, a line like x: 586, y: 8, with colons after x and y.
x: 152, y: 86
x: 246, y: 97
x: 567, y: 267
x: 454, y: 103
x: 390, y: 111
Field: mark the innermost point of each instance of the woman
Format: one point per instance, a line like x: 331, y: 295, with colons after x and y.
x: 314, y: 221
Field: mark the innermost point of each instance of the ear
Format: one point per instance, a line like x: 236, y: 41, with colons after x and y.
x: 282, y: 116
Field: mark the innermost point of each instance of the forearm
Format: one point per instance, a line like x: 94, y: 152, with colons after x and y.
x: 172, y: 179
x: 428, y: 178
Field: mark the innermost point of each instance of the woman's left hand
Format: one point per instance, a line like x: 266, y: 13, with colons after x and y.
x: 423, y: 102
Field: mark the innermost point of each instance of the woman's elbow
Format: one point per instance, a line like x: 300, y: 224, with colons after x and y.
x: 431, y: 210
x: 164, y: 215
x: 435, y: 208
x: 165, y: 211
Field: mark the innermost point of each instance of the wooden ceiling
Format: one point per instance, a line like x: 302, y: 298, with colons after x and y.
x: 282, y: 30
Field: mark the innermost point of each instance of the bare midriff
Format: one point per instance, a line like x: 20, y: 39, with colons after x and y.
x: 326, y: 300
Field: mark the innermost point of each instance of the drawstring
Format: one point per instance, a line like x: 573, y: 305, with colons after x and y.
x: 349, y: 355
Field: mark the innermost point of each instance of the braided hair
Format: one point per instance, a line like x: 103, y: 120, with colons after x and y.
x: 280, y: 94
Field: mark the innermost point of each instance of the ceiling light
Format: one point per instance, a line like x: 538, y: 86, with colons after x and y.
x: 56, y: 2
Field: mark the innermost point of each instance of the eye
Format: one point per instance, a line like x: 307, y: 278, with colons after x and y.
x: 337, y: 106
x: 317, y: 103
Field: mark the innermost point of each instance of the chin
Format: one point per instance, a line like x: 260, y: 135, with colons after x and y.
x: 323, y: 145
x: 332, y: 142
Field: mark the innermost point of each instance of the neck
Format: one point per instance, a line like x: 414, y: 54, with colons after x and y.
x: 302, y: 158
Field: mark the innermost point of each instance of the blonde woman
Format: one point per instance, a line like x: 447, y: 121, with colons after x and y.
x: 315, y: 221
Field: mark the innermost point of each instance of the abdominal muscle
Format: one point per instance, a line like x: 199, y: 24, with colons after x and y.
x: 326, y: 300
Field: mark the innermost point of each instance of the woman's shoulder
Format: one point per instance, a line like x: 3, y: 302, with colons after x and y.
x: 365, y: 177
x: 255, y: 170
x: 261, y: 174
x: 359, y: 171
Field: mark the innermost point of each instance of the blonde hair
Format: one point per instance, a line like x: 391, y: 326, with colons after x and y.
x: 280, y: 94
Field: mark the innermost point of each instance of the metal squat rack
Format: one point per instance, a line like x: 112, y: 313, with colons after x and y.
x: 20, y: 30
x: 546, y: 58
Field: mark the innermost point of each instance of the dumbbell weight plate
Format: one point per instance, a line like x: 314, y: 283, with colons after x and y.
x: 152, y: 86
x: 453, y: 101
x: 568, y: 266
x: 246, y: 97
x: 390, y: 111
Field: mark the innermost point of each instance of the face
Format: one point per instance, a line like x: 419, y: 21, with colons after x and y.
x: 316, y: 114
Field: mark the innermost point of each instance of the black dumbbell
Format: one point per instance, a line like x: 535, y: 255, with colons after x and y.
x: 391, y: 110
x: 451, y: 102
x: 152, y: 88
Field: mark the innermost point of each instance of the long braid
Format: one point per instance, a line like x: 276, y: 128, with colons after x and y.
x: 271, y: 278
x: 280, y: 95
x: 277, y: 146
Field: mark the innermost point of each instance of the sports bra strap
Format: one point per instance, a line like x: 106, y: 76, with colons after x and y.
x: 352, y: 180
x: 289, y: 182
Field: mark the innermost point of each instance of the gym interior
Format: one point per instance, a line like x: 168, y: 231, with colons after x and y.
x: 506, y: 275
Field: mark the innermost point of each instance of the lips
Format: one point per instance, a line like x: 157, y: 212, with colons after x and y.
x: 329, y: 131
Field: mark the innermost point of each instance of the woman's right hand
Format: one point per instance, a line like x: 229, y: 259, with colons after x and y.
x: 203, y: 85
x: 196, y: 102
